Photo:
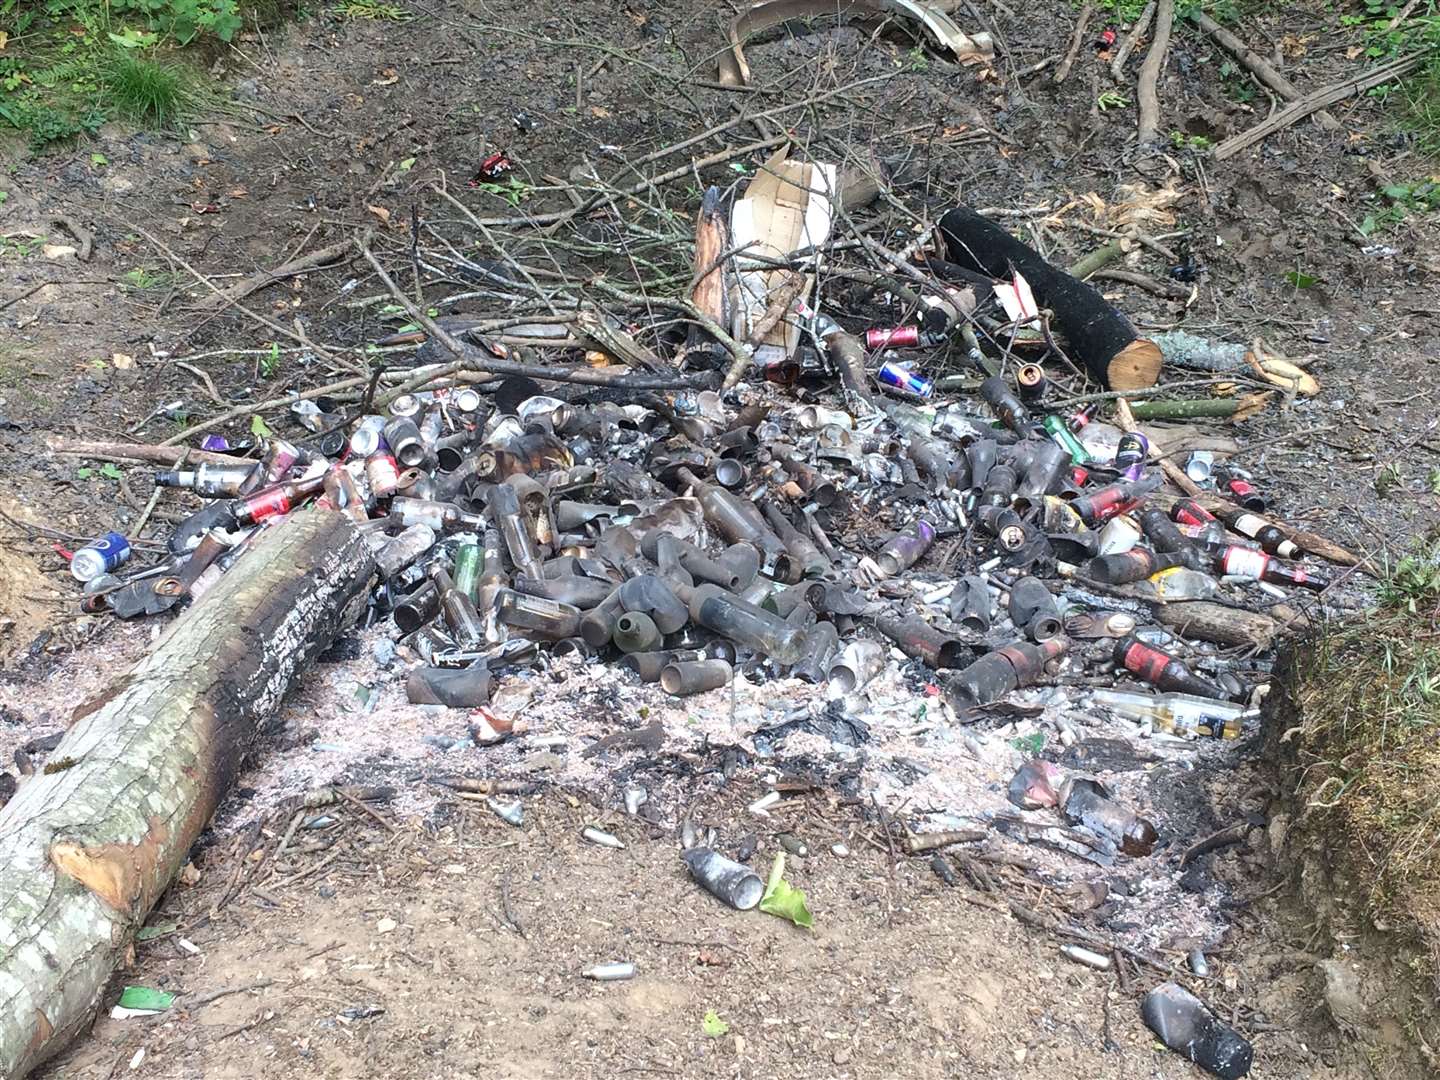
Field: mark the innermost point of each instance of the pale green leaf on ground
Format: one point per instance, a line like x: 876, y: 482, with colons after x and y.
x: 713, y: 1026
x: 784, y: 900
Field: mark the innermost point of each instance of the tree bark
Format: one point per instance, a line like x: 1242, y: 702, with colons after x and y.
x: 1218, y: 623
x: 87, y: 850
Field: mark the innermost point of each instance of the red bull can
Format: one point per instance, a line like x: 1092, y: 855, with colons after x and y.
x: 898, y: 377
x: 99, y: 557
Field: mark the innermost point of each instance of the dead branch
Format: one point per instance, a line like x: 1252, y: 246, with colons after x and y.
x: 1314, y: 102
x: 1170, y: 290
x: 1082, y: 23
x: 1122, y: 54
x: 164, y: 454
x: 587, y: 376
x: 1146, y: 94
x: 83, y: 235
x: 257, y: 281
x: 1257, y: 65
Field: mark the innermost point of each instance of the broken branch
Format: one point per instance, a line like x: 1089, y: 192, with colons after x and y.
x: 1298, y: 110
x: 1147, y: 97
x: 1257, y: 65
x: 1082, y: 22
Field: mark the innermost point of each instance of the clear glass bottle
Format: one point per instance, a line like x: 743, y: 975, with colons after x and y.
x: 746, y: 624
x: 1176, y: 714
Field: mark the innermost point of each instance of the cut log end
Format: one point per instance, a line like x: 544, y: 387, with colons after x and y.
x: 1136, y: 366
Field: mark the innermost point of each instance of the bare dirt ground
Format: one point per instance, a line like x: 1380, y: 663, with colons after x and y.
x: 902, y: 975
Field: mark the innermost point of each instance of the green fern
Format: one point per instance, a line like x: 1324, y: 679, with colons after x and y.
x: 64, y: 71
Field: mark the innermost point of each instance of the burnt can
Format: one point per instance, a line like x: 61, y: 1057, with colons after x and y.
x: 1032, y: 383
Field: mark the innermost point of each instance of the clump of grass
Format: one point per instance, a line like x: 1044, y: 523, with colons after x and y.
x: 147, y: 91
x: 1368, y: 698
x: 1422, y: 108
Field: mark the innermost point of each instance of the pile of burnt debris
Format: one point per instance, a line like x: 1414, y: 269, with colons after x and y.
x: 766, y: 495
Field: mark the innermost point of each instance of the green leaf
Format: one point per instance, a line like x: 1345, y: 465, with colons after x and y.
x: 99, y: 160
x: 111, y: 471
x: 155, y: 930
x: 84, y: 473
x: 1369, y: 225
x: 784, y: 900
x: 143, y: 997
x: 1398, y: 192
x: 259, y: 428
x: 713, y: 1026
x: 1301, y: 280
x: 406, y: 165
x: 3, y: 196
x: 134, y: 39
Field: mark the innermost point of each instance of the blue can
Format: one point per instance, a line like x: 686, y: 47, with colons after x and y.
x: 899, y: 377
x: 99, y: 557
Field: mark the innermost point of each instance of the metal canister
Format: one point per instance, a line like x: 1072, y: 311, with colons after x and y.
x: 1130, y: 455
x: 892, y: 336
x: 99, y: 557
x: 896, y: 376
x: 1200, y: 465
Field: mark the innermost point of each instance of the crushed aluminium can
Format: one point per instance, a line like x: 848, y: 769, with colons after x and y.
x: 898, y: 377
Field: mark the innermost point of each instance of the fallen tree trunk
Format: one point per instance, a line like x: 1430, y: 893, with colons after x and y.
x: 87, y: 849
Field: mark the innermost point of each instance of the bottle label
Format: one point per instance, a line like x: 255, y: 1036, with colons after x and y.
x: 1244, y: 562
x: 1247, y: 525
x: 1147, y: 663
x: 1182, y: 583
x: 1236, y: 486
x: 1110, y: 502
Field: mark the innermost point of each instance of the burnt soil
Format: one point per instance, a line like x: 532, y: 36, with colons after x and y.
x: 902, y: 976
